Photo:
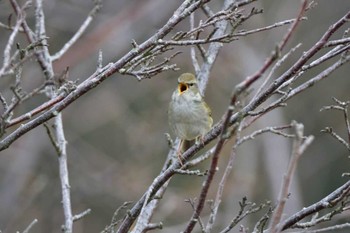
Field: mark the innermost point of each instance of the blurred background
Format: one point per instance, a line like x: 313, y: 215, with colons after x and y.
x: 116, y: 133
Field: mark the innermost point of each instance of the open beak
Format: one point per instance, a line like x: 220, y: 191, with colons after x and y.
x: 182, y: 87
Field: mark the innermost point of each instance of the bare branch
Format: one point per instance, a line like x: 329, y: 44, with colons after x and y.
x: 246, y: 208
x: 7, y: 51
x: 153, y: 226
x: 328, y: 202
x: 30, y: 226
x: 220, y: 190
x: 81, y: 215
x: 329, y: 229
x: 324, y: 74
x: 115, y: 221
x: 266, y: 28
x: 336, y: 136
x: 278, y: 64
x: 191, y: 172
x: 79, y: 32
x: 342, y: 106
x: 275, y: 130
x: 193, y: 51
x: 337, y: 42
x: 299, y: 146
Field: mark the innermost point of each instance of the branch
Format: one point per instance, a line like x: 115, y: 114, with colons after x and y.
x: 220, y: 190
x: 324, y: 74
x: 274, y: 56
x: 64, y: 177
x: 7, y: 50
x: 252, y: 208
x: 115, y: 221
x: 289, y: 74
x: 266, y: 28
x: 30, y: 226
x: 329, y: 201
x: 60, y: 144
x: 299, y: 146
x: 79, y: 32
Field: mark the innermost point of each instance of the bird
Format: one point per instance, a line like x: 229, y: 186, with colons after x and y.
x: 189, y: 115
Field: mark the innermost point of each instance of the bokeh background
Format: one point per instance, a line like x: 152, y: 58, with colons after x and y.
x: 115, y: 133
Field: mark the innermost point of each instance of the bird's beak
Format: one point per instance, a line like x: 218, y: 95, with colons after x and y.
x: 182, y: 87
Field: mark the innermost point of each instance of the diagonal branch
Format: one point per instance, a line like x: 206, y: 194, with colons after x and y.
x: 329, y: 201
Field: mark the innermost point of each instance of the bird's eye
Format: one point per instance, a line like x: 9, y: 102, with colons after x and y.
x: 190, y: 84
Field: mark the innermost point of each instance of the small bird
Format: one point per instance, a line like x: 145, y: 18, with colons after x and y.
x: 189, y: 116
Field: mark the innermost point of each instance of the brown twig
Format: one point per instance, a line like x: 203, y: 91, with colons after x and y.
x: 299, y: 146
x: 39, y: 109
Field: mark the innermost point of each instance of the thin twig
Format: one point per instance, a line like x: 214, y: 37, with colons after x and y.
x: 244, y: 212
x: 269, y: 27
x: 278, y: 64
x: 299, y: 146
x: 324, y: 74
x: 11, y: 40
x: 79, y: 32
x: 30, y: 226
x: 81, y: 215
x: 115, y: 221
x: 222, y: 184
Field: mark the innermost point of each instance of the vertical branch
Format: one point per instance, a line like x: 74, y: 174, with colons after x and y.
x: 193, y: 49
x: 51, y: 92
x: 143, y: 221
x: 10, y: 42
x: 299, y: 146
x: 212, y: 53
x: 222, y: 183
x: 45, y: 57
x: 346, y: 116
x: 63, y: 169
